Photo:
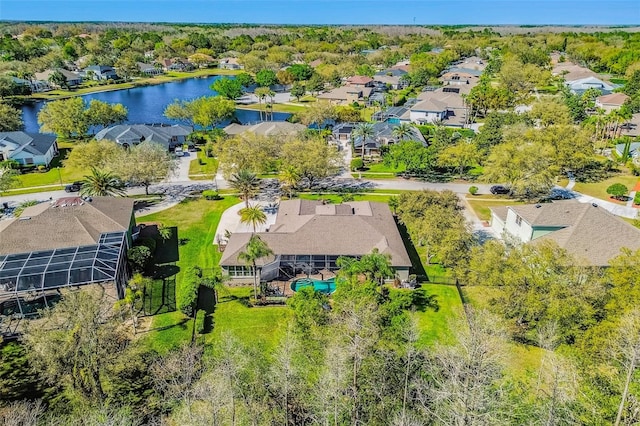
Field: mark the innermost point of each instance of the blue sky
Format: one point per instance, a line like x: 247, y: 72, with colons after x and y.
x: 425, y: 12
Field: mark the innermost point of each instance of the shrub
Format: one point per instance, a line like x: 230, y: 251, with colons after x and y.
x: 42, y: 168
x: 357, y: 164
x: 210, y: 194
x: 347, y: 198
x: 473, y: 190
x: 148, y: 242
x: 139, y: 258
x: 11, y: 164
x: 636, y: 199
x: 617, y: 191
x: 187, y: 295
x: 200, y: 317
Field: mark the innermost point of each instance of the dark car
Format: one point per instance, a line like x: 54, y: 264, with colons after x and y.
x: 74, y: 187
x: 499, y: 190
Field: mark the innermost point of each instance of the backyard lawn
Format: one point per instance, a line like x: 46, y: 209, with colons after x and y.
x: 203, y: 167
x: 599, y: 189
x: 436, y: 325
x: 57, y: 172
x: 481, y: 206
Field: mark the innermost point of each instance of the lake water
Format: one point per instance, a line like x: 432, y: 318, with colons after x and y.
x: 147, y: 104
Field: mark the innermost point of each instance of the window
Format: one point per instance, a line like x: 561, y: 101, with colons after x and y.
x: 240, y: 271
x: 28, y: 161
x: 518, y: 220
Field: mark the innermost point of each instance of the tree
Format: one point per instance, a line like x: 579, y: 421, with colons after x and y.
x: 266, y: 78
x: 262, y: 93
x: 8, y: 178
x: 289, y: 178
x: 363, y: 131
x: 297, y: 91
x: 246, y: 183
x: 255, y: 250
x: 300, y: 72
x: 257, y: 153
x: 404, y: 131
x: 65, y: 118
x: 375, y: 267
x: 101, y: 184
x: 618, y: 191
x: 315, y: 84
x: 206, y: 112
x: 81, y: 340
x: 462, y: 155
x: 253, y: 215
x: 58, y: 79
x: 139, y: 258
x: 550, y: 111
x: 144, y: 164
x: 416, y: 158
x: 127, y: 66
x: 628, y: 351
x: 318, y: 113
x: 10, y: 118
x: 104, y: 114
x: 101, y: 154
x: 229, y: 88
x: 133, y: 296
x: 312, y: 159
x: 285, y: 77
x: 245, y: 79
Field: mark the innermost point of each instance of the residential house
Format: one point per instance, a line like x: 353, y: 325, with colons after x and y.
x: 149, y: 69
x: 28, y: 149
x: 581, y: 85
x: 127, y: 135
x: 73, y: 78
x: 392, y: 77
x: 460, y: 78
x: 392, y: 114
x: 631, y: 128
x: 444, y: 105
x: 266, y: 128
x: 35, y: 86
x: 176, y: 64
x: 100, y: 72
x: 611, y: 101
x: 383, y: 136
x: 230, y: 64
x: 347, y: 94
x: 58, y: 246
x: 585, y: 230
x: 570, y: 71
x: 634, y: 150
x: 308, y: 236
x: 360, y: 81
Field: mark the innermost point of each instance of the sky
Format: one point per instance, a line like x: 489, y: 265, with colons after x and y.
x: 404, y: 12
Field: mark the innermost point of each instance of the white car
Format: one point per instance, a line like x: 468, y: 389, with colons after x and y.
x: 178, y: 151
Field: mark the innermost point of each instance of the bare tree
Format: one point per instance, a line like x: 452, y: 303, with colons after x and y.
x: 21, y: 413
x: 627, y: 346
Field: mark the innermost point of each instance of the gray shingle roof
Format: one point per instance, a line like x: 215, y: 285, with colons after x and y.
x: 33, y: 143
x: 136, y: 133
x: 308, y: 227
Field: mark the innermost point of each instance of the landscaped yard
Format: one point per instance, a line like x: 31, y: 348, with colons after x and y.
x: 481, y: 206
x: 436, y: 325
x: 337, y: 198
x: 203, y: 167
x: 599, y: 189
x: 57, y: 172
x: 290, y: 108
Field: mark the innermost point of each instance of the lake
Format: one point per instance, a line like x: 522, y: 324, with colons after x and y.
x: 146, y: 104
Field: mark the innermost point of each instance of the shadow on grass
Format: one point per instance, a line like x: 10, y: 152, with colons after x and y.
x: 183, y: 324
x: 423, y: 301
x: 416, y: 263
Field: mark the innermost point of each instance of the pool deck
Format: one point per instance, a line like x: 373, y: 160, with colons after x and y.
x: 286, y: 285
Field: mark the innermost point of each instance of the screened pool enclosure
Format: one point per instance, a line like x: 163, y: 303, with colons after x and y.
x: 34, y: 280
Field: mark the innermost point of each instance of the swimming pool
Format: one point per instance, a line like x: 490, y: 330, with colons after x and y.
x: 323, y: 286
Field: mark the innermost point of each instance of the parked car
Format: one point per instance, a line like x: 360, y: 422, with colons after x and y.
x: 499, y: 190
x: 74, y: 187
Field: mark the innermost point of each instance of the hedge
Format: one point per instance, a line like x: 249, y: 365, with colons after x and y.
x: 187, y: 295
x: 200, y: 317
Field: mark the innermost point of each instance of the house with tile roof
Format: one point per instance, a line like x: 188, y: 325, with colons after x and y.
x: 360, y: 81
x: 230, y: 64
x: 127, y: 135
x: 583, y: 84
x: 382, y: 136
x: 611, y: 101
x: 346, y: 94
x: 28, y: 149
x: 73, y: 78
x: 308, y: 236
x: 586, y: 231
x: 66, y: 244
x: 444, y: 105
x: 266, y: 128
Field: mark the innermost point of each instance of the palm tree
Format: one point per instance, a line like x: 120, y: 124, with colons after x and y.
x: 255, y: 250
x: 403, y: 131
x: 290, y: 179
x: 261, y: 93
x: 364, y: 131
x: 253, y: 215
x: 102, y: 184
x: 246, y: 183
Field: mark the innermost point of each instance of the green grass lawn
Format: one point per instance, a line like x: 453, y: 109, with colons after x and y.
x: 197, y: 221
x: 436, y: 325
x: 599, y: 189
x: 206, y: 170
x: 481, y: 206
x: 277, y: 107
x: 255, y: 326
x: 57, y: 173
x: 337, y: 198
x: 383, y: 168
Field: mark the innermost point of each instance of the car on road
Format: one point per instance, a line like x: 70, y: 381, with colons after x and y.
x: 74, y: 187
x: 499, y: 190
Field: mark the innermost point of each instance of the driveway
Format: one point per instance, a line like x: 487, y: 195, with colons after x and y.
x: 230, y: 221
x: 181, y: 174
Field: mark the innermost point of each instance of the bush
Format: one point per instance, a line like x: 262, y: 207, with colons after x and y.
x: 347, y: 197
x: 11, y: 164
x: 187, y: 295
x: 473, y: 190
x: 617, y: 191
x: 357, y: 164
x: 148, y: 242
x: 200, y: 317
x: 139, y: 258
x: 636, y: 199
x: 211, y: 195
x: 42, y: 168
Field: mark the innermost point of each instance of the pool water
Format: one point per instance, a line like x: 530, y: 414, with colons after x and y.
x: 323, y: 286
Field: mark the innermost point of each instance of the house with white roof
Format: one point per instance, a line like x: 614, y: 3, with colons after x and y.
x: 584, y: 84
